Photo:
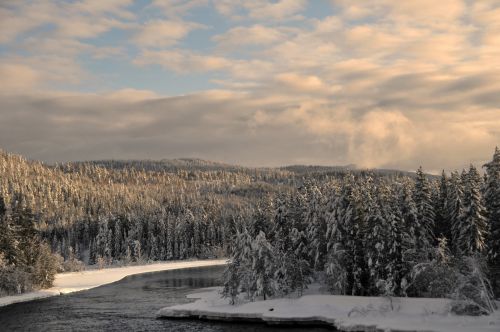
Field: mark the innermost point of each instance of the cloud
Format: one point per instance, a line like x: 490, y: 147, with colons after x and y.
x: 160, y: 33
x: 30, y: 74
x: 182, y: 61
x: 254, y: 35
x: 239, y: 128
x: 16, y: 77
x: 177, y: 8
x: 384, y: 83
x: 261, y: 9
x: 132, y: 95
x: 83, y: 19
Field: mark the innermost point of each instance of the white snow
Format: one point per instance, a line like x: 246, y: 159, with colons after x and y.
x: 344, y: 312
x: 78, y: 281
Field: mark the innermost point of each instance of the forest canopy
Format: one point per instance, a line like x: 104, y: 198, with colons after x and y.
x: 361, y: 232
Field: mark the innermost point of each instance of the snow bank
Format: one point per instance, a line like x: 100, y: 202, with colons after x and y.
x: 346, y: 313
x: 78, y: 281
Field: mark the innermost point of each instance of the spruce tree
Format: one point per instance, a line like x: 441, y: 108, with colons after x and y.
x: 344, y: 235
x: 473, y: 225
x: 299, y: 270
x: 442, y: 223
x: 377, y: 239
x: 8, y: 241
x: 316, y: 229
x: 492, y: 202
x: 454, y: 209
x: 425, y: 212
x: 263, y: 267
x: 396, y: 268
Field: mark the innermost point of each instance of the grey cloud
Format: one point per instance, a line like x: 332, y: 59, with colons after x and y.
x: 83, y: 128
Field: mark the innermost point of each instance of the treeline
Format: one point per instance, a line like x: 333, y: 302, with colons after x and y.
x: 88, y: 214
x: 369, y: 236
x: 26, y: 261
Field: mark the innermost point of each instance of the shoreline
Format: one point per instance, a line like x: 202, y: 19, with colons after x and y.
x: 70, y: 282
x: 343, y: 313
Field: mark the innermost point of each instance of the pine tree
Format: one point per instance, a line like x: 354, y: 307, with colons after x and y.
x: 425, y: 212
x: 396, y: 268
x: 442, y: 223
x: 263, y: 267
x: 8, y: 241
x: 378, y: 222
x: 231, y: 281
x: 344, y: 236
x: 315, y: 220
x: 454, y: 209
x: 409, y: 214
x: 261, y: 217
x: 473, y: 225
x: 492, y: 199
x: 299, y: 271
x: 118, y: 239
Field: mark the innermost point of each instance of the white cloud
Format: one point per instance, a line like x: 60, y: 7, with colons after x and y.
x: 182, y: 61
x: 261, y: 9
x: 253, y: 35
x: 17, y: 77
x: 384, y: 83
x: 161, y: 33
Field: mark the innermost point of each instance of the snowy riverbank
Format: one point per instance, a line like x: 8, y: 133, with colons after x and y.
x: 347, y: 313
x: 78, y: 281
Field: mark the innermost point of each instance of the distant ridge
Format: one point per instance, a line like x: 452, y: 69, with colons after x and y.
x: 198, y: 164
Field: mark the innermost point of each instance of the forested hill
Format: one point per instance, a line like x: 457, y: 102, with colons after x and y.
x: 288, y: 174
x: 106, y: 212
x: 170, y: 165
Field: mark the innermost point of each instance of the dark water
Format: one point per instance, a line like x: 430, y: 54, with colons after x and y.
x: 127, y: 305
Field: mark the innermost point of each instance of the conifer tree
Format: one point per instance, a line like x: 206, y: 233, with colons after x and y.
x: 378, y: 223
x: 8, y: 241
x: 344, y: 235
x: 396, y: 268
x: 442, y: 223
x: 492, y: 200
x: 315, y: 220
x: 454, y: 209
x: 299, y: 271
x: 425, y: 212
x: 473, y: 225
x: 263, y: 267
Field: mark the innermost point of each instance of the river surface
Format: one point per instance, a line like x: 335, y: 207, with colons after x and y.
x: 127, y: 305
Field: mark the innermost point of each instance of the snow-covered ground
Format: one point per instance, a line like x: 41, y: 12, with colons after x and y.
x: 347, y: 313
x: 78, y: 281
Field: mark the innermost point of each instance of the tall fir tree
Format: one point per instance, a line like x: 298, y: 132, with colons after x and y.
x: 454, y: 209
x: 315, y: 220
x: 263, y: 268
x: 442, y: 223
x: 492, y: 200
x: 473, y: 227
x: 425, y: 212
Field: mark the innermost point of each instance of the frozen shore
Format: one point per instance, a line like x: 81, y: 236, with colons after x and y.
x: 346, y: 313
x: 78, y: 281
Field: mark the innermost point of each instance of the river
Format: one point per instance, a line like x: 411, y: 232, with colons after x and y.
x: 127, y: 305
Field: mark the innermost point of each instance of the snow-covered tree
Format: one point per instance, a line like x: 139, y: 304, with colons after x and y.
x: 472, y: 224
x: 315, y: 220
x: 425, y: 212
x: 454, y: 209
x: 442, y: 223
x: 263, y: 268
x: 492, y: 200
x: 299, y: 270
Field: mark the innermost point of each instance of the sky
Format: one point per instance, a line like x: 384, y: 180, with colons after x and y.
x: 380, y: 84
